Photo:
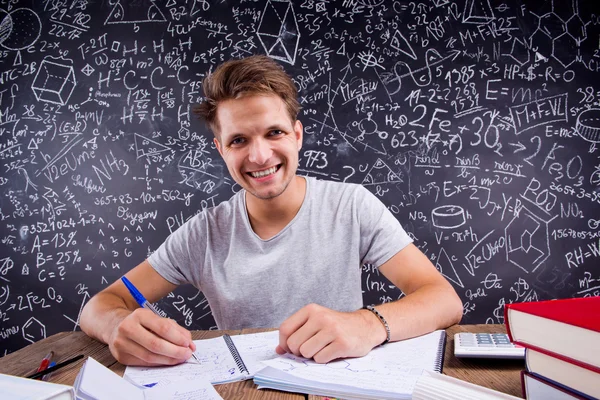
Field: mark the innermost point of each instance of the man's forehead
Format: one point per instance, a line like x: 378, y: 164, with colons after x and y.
x: 236, y: 116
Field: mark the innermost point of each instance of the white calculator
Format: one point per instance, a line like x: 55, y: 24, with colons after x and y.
x: 486, y: 345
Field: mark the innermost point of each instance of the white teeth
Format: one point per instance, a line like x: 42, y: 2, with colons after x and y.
x: 266, y: 172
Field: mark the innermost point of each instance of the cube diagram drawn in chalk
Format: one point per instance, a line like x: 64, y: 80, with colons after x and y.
x: 54, y: 82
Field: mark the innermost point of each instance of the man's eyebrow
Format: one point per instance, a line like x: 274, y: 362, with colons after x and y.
x: 273, y: 127
x: 277, y: 127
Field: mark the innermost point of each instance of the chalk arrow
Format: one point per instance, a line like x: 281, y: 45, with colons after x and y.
x: 520, y: 147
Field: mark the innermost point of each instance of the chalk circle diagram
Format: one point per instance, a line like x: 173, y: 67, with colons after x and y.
x: 19, y: 28
x: 448, y: 217
x: 588, y: 125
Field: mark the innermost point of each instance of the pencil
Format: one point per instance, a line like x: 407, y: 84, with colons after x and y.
x: 57, y: 366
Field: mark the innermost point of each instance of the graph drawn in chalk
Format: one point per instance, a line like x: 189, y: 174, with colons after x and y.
x: 75, y: 322
x: 380, y: 173
x: 278, y: 31
x: 54, y: 81
x: 124, y: 13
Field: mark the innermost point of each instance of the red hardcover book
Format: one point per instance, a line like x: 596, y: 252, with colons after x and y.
x: 567, y: 329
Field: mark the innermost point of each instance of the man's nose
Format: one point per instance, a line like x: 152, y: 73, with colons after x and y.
x: 260, y: 152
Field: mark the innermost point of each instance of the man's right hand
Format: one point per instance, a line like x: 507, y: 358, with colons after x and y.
x: 146, y: 339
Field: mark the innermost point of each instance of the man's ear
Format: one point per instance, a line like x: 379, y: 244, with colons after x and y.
x: 218, y: 146
x: 299, y: 131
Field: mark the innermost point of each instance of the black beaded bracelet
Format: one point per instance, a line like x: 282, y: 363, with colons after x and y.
x: 383, y: 321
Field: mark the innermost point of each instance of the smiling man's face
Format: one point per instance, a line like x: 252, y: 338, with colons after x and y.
x: 259, y: 144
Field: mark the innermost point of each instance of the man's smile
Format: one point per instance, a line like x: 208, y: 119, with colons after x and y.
x: 264, y: 172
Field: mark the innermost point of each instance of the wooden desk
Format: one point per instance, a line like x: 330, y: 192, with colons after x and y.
x: 501, y: 375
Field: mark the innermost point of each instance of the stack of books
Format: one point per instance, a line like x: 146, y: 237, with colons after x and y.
x: 562, y: 347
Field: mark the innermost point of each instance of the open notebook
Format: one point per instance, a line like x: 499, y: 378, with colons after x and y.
x: 390, y: 371
x: 222, y: 359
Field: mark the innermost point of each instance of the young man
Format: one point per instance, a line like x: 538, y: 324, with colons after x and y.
x: 286, y: 251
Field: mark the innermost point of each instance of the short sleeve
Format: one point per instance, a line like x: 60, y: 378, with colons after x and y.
x: 382, y: 235
x: 173, y: 260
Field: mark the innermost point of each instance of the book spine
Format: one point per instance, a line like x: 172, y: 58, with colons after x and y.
x: 235, y: 354
x: 507, y: 308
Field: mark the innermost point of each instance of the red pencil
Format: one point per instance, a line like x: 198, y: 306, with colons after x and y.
x: 45, y: 361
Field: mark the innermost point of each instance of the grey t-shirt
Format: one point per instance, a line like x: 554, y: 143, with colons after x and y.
x: 317, y: 258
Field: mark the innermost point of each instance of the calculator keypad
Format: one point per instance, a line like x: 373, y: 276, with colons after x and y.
x: 492, y: 345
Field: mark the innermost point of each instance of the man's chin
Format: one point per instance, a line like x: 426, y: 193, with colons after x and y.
x: 270, y: 195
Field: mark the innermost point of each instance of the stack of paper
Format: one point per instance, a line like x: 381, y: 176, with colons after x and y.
x: 387, y: 372
x: 434, y: 386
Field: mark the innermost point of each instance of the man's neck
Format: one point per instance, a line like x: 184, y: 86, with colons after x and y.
x: 268, y: 217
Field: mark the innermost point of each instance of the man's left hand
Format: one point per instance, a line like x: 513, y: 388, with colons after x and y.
x: 323, y: 334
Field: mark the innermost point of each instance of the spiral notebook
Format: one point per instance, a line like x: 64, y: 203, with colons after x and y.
x: 390, y: 371
x: 222, y: 359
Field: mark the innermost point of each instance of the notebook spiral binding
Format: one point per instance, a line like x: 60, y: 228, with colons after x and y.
x: 236, y: 355
x: 439, y: 362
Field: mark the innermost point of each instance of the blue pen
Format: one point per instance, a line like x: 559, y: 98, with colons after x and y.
x: 141, y: 300
x: 47, y: 376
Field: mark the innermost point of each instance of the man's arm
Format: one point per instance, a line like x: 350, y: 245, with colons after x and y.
x: 430, y: 303
x: 136, y: 336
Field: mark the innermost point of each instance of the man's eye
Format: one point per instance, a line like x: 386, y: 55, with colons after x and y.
x: 237, y: 141
x: 276, y: 132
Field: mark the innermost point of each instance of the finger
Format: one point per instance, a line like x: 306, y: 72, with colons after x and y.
x: 280, y: 350
x: 167, y: 329
x: 302, y: 335
x: 135, y: 354
x: 332, y: 351
x: 315, y: 344
x: 147, y: 336
x: 290, y: 326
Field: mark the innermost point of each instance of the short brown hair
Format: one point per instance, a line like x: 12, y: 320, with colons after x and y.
x: 258, y: 75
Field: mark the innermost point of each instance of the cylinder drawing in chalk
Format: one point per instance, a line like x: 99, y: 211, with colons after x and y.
x: 448, y: 217
x: 588, y: 125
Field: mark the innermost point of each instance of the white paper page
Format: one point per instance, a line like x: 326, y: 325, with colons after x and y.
x: 255, y: 348
x: 182, y: 389
x: 395, y: 367
x: 101, y: 383
x: 216, y: 365
x: 18, y: 388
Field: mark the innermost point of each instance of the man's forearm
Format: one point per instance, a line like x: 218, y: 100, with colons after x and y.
x: 429, y: 308
x: 101, y: 315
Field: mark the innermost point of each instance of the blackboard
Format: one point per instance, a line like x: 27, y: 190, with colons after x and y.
x: 475, y: 121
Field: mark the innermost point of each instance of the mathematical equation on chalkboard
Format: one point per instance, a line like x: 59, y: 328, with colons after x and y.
x: 476, y: 122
